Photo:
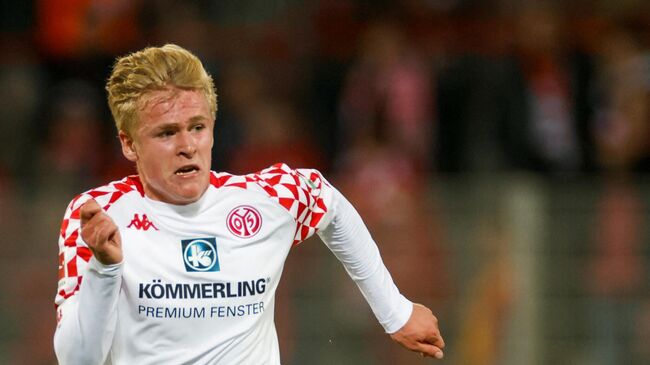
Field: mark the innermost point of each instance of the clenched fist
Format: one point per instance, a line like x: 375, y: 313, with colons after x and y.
x: 100, y: 233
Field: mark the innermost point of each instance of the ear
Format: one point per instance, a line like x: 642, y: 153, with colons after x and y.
x: 128, y: 147
x: 212, y: 134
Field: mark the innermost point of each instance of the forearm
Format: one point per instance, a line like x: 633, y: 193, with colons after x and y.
x: 348, y: 238
x: 88, y: 319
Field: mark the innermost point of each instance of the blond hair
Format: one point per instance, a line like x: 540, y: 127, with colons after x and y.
x: 154, y: 68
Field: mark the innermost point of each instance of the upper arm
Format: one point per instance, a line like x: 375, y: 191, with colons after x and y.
x: 307, y: 196
x: 74, y: 254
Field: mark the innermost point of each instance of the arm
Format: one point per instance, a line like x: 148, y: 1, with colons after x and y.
x: 87, y: 309
x: 88, y: 318
x: 411, y: 325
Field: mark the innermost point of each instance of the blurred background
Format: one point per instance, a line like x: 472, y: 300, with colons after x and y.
x: 499, y: 151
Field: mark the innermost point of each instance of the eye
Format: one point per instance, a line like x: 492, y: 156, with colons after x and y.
x: 165, y: 133
x: 198, y: 127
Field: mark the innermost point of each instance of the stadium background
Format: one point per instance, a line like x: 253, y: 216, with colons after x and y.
x: 498, y: 150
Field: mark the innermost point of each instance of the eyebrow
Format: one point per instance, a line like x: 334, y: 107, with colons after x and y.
x: 198, y: 118
x: 165, y: 126
x: 194, y: 119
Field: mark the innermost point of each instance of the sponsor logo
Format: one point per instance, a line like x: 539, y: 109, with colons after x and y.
x: 141, y: 223
x: 200, y: 254
x: 158, y: 289
x: 244, y: 221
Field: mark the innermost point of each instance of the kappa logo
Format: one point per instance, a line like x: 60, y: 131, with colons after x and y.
x: 141, y: 224
x: 244, y: 221
x: 200, y: 254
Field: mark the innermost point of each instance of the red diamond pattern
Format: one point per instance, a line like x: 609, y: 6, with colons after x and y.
x: 73, y: 252
x: 304, y: 193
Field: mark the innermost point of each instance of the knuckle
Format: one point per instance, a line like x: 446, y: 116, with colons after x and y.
x: 87, y: 207
x: 87, y: 238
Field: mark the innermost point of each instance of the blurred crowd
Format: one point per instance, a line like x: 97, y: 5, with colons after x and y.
x: 446, y: 85
x: 385, y: 97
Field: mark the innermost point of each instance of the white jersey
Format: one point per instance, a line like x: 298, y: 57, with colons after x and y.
x: 197, y: 282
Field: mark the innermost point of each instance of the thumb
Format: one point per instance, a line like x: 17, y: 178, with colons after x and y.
x: 88, y: 210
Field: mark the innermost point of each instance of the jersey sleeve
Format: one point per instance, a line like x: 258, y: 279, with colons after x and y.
x: 73, y: 253
x: 348, y: 238
x: 317, y: 207
x: 317, y: 213
x: 86, y: 298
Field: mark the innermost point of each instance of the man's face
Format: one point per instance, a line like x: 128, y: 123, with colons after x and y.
x: 171, y: 145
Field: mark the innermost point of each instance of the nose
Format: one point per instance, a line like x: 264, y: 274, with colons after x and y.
x: 186, y: 145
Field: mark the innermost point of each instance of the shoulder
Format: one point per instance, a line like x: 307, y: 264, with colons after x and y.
x: 273, y: 179
x: 304, y: 193
x: 107, y: 195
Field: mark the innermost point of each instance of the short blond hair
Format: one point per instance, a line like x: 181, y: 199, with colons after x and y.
x: 154, y: 68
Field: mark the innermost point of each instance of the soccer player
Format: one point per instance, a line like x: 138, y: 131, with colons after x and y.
x: 179, y: 264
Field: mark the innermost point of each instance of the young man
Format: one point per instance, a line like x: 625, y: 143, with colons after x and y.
x: 180, y: 264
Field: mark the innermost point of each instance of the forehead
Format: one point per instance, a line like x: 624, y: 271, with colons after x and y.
x: 172, y: 105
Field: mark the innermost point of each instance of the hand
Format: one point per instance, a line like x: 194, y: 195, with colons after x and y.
x: 100, y: 233
x: 421, y: 333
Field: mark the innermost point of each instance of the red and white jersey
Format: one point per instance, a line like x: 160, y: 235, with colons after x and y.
x: 197, y: 282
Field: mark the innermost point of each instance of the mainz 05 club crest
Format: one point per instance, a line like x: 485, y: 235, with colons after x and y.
x: 244, y: 221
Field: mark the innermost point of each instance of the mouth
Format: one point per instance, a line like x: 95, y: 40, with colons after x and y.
x: 187, y: 170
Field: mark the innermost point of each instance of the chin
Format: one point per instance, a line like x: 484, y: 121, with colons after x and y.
x: 190, y: 195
